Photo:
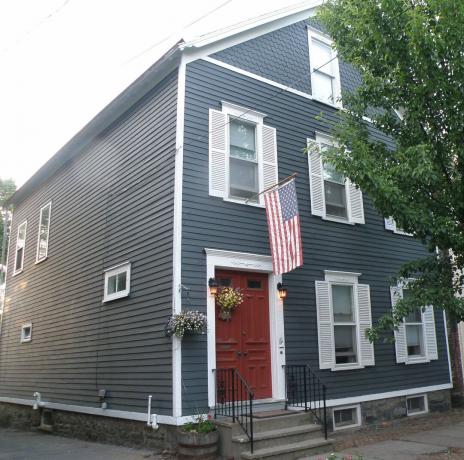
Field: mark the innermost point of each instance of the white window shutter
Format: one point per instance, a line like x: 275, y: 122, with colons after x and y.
x: 269, y: 146
x: 365, y: 322
x: 217, y: 153
x: 316, y: 180
x: 400, y: 335
x: 428, y: 319
x: 325, y: 326
x: 390, y: 223
x: 356, y: 204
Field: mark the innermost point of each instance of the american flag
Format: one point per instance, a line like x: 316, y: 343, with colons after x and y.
x: 283, y: 222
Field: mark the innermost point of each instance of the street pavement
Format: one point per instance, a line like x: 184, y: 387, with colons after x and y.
x: 407, y: 447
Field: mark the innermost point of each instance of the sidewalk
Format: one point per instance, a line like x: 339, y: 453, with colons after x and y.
x: 444, y: 441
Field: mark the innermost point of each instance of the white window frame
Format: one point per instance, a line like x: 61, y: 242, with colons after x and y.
x: 390, y: 225
x: 23, y: 337
x: 256, y: 118
x: 314, y: 34
x: 48, y: 205
x: 18, y: 271
x: 113, y: 271
x: 354, y: 425
x: 426, y: 405
x: 346, y: 279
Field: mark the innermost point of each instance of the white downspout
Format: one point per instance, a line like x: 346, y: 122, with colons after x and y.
x: 151, y: 418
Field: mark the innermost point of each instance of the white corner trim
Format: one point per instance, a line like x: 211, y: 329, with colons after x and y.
x: 216, y: 258
x: 445, y: 326
x: 177, y: 241
x: 256, y: 77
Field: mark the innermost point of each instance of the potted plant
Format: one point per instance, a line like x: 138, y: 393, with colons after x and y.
x: 228, y: 299
x: 186, y: 322
x: 198, y: 439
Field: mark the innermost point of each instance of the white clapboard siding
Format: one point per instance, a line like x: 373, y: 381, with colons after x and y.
x: 400, y: 334
x: 365, y: 322
x: 356, y: 204
x: 428, y: 319
x: 325, y: 326
x: 269, y: 146
x: 217, y: 152
x: 316, y: 179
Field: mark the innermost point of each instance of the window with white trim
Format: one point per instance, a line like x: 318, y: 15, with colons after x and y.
x: 346, y: 417
x: 242, y: 154
x: 20, y: 248
x: 391, y: 225
x: 26, y: 332
x: 343, y: 316
x: 44, y: 230
x: 333, y: 197
x: 117, y: 282
x: 325, y: 73
x: 417, y: 404
x: 415, y: 338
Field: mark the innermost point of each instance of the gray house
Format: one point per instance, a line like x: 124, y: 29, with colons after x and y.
x: 156, y: 196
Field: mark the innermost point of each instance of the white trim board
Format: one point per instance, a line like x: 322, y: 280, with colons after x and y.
x: 377, y: 396
x: 445, y: 326
x: 242, y: 261
x: 177, y: 242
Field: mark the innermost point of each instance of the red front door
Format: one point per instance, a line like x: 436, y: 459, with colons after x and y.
x: 243, y: 341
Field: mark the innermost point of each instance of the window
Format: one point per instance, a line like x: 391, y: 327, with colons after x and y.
x: 390, y: 224
x: 20, y: 248
x: 333, y: 197
x: 335, y: 192
x: 242, y: 154
x: 346, y: 417
x: 343, y: 316
x: 243, y: 158
x: 325, y: 74
x: 416, y: 405
x: 44, y: 229
x: 344, y: 324
x: 415, y: 338
x: 117, y: 282
x: 26, y: 332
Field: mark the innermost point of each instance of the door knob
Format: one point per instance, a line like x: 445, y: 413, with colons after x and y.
x: 245, y: 353
x: 239, y: 353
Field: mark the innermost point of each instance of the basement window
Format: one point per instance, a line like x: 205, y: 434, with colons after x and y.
x: 416, y: 405
x: 346, y: 417
x: 117, y: 282
x: 26, y: 332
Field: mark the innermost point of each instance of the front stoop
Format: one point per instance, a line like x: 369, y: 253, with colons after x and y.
x: 285, y: 437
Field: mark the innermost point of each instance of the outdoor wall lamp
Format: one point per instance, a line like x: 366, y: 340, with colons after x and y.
x: 213, y: 286
x: 282, y: 291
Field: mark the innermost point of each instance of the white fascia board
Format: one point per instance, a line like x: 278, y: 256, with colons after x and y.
x: 212, y: 43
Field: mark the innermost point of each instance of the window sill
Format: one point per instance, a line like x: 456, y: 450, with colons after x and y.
x: 18, y: 272
x: 340, y: 221
x: 420, y: 360
x: 41, y: 260
x: 328, y: 104
x: 255, y: 205
x: 119, y: 295
x: 350, y: 367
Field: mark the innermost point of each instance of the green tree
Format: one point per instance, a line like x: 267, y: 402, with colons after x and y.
x: 7, y: 188
x: 410, y: 54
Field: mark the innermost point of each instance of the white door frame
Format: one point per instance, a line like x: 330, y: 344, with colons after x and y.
x: 242, y: 261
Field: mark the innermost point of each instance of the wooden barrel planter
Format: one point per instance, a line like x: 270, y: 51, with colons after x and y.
x: 192, y: 445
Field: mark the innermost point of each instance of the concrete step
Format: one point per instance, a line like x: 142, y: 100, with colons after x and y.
x: 291, y: 451
x: 275, y: 438
x: 282, y: 421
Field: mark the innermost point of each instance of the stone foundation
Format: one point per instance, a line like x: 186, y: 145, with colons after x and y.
x: 88, y: 427
x: 385, y: 412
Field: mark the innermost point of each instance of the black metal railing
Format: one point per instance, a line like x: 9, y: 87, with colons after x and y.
x: 234, y: 399
x: 306, y: 391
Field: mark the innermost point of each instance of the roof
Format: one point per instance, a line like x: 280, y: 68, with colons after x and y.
x: 190, y: 48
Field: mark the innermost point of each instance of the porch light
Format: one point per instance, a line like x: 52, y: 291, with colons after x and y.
x: 213, y: 286
x: 282, y: 291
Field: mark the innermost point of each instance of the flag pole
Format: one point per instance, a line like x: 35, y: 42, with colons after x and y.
x: 272, y: 186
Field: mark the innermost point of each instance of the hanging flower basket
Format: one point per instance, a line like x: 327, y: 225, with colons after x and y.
x: 228, y: 300
x: 186, y: 322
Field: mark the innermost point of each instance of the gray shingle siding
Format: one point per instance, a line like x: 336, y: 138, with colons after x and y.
x: 213, y: 223
x: 112, y: 204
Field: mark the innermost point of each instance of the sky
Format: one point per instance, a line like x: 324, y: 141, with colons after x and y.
x: 62, y: 61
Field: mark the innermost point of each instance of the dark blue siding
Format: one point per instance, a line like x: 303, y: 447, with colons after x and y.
x: 212, y: 223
